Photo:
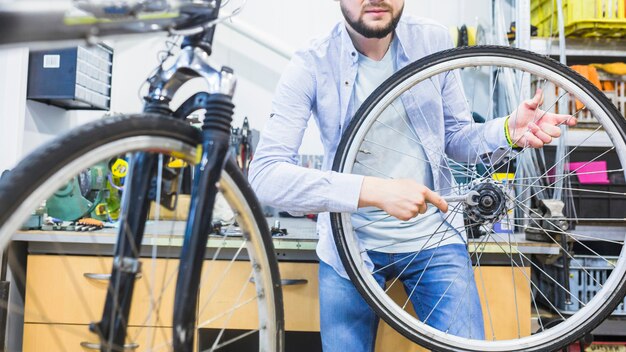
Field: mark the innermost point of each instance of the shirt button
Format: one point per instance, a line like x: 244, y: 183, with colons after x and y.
x: 347, y: 83
x: 353, y: 53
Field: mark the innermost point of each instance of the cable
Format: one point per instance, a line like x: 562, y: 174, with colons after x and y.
x: 202, y: 28
x: 162, y: 55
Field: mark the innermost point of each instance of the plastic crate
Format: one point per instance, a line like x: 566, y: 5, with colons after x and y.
x: 582, y: 18
x: 582, y: 286
x: 614, y: 87
x: 589, y: 204
x: 616, y: 93
x: 598, y: 346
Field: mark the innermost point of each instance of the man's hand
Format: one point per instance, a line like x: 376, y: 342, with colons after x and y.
x: 403, y: 198
x: 530, y: 126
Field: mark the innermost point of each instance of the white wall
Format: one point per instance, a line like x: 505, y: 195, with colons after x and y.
x: 291, y: 23
x: 14, y: 66
x: 294, y: 23
x: 43, y: 122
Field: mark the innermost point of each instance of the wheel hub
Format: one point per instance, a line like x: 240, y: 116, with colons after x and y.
x: 491, y: 202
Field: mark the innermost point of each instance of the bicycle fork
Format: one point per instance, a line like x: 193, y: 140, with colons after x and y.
x: 215, y: 136
x: 215, y: 146
x: 135, y: 205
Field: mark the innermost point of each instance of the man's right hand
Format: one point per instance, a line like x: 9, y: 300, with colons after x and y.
x: 403, y: 198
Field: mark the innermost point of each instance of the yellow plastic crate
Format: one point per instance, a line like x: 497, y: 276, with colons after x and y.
x: 582, y: 18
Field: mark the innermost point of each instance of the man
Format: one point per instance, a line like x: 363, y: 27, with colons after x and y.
x: 329, y: 81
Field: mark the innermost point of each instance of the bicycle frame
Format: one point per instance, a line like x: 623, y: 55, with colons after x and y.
x: 191, y: 62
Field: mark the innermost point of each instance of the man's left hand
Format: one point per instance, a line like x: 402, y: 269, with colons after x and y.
x: 529, y: 126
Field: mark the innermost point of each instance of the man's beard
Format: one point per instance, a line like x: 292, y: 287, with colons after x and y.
x: 360, y: 27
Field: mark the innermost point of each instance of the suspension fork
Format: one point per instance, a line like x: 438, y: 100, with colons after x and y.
x: 215, y: 146
x: 135, y: 205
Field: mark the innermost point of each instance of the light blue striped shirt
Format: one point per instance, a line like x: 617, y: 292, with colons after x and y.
x: 319, y: 82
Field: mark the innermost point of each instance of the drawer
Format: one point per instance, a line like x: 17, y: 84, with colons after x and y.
x: 301, y: 301
x: 300, y: 298
x: 57, y: 285
x: 68, y: 338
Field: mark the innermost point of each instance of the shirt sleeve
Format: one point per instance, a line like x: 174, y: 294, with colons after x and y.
x: 466, y: 141
x: 274, y: 174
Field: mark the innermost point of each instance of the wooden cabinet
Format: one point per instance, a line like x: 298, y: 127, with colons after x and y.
x: 221, y: 287
x: 72, y: 300
x: 508, y: 298
x: 299, y: 296
x: 77, y: 338
x: 71, y: 290
x: 301, y: 300
x: 507, y: 293
x: 65, y: 293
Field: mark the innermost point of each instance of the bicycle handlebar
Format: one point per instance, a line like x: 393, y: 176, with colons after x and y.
x: 56, y: 21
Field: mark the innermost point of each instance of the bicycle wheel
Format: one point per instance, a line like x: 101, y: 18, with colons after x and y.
x: 62, y: 270
x: 545, y: 267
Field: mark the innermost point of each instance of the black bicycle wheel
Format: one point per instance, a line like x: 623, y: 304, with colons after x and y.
x: 566, y: 264
x: 62, y: 269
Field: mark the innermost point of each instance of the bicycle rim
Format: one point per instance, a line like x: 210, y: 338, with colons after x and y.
x: 546, y: 311
x: 63, y: 270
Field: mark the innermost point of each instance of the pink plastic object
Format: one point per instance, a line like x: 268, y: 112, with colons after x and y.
x: 590, y: 172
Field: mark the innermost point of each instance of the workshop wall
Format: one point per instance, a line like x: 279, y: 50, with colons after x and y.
x: 290, y: 24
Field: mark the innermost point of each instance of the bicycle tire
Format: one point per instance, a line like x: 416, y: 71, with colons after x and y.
x: 30, y: 182
x: 374, y: 106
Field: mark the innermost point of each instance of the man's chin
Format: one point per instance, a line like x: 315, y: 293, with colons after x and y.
x: 378, y: 33
x: 377, y: 27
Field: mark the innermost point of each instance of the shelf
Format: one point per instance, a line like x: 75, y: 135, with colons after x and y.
x: 579, y: 137
x: 599, y: 233
x: 302, y: 238
x: 614, y: 49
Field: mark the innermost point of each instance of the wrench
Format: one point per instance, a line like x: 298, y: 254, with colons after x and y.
x: 468, y: 198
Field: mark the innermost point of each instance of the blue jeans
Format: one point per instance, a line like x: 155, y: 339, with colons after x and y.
x: 445, y: 296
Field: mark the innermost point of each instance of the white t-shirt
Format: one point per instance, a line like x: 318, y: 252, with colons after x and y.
x: 392, y: 149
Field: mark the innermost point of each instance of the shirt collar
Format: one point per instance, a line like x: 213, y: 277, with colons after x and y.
x: 347, y: 44
x: 402, y: 34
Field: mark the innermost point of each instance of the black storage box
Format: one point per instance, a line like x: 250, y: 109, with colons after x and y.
x: 600, y: 205
x: 73, y: 78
